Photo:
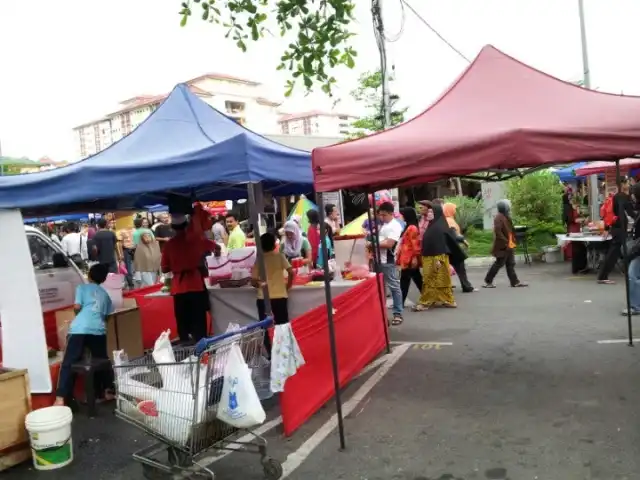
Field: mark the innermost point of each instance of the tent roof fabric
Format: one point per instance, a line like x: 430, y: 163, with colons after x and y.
x: 184, y: 147
x: 566, y: 174
x: 596, y: 168
x: 499, y: 114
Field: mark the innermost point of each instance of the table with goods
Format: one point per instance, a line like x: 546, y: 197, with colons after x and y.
x: 595, y: 239
x: 233, y: 299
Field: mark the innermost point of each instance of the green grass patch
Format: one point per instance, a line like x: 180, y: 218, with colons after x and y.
x: 481, y: 241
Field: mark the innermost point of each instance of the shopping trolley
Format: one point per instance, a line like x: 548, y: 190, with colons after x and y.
x: 177, y: 404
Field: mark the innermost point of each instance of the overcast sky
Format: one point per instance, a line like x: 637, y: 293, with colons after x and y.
x: 64, y: 62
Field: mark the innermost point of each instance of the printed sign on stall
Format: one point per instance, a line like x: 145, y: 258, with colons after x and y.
x: 55, y: 295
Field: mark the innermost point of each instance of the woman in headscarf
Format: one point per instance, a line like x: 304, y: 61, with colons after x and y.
x: 437, y: 290
x: 408, y: 253
x: 146, y: 260
x: 504, y: 244
x: 571, y: 222
x: 449, y: 210
x: 426, y: 215
x: 457, y: 255
x: 294, y: 244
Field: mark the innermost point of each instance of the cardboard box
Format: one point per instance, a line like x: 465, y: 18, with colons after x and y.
x: 15, y: 404
x: 124, y: 329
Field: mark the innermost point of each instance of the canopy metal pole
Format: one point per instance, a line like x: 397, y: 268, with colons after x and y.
x: 623, y: 218
x: 332, y: 328
x: 373, y: 227
x: 254, y: 194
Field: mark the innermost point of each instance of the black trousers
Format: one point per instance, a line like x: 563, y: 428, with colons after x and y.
x: 112, y: 267
x: 613, y: 255
x: 190, y: 310
x: 508, y: 260
x: 76, y: 345
x: 406, y: 275
x: 280, y: 311
x: 579, y: 261
x: 461, y: 271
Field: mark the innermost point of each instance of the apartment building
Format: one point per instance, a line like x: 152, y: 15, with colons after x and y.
x: 316, y: 122
x: 241, y: 99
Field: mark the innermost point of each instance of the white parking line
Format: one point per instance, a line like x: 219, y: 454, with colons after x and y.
x: 619, y: 340
x: 444, y: 344
x: 295, y: 459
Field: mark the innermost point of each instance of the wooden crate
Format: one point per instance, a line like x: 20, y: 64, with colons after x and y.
x: 15, y: 404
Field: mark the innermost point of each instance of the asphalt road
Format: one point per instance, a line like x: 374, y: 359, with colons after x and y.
x: 525, y: 391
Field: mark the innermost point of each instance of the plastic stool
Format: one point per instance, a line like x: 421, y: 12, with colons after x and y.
x: 87, y: 368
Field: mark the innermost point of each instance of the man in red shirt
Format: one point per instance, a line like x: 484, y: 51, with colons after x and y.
x: 183, y: 257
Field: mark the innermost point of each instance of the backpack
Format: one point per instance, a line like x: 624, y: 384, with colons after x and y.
x: 607, y: 212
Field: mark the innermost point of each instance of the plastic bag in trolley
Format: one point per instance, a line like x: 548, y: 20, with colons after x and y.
x: 239, y: 404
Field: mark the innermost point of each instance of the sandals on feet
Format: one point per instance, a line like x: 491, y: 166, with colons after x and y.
x: 488, y: 285
x: 420, y: 308
x: 520, y: 285
x: 606, y: 282
x: 397, y: 320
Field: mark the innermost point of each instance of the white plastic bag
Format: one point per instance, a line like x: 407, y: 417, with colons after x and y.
x: 164, y: 357
x: 286, y: 357
x: 125, y: 382
x: 239, y: 405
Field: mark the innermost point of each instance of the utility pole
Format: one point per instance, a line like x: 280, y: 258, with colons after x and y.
x: 385, y: 108
x: 378, y: 23
x: 586, y: 83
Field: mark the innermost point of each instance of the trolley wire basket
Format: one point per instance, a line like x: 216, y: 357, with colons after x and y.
x: 177, y: 403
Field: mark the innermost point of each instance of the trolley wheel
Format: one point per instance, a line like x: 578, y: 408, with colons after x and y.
x: 272, y: 468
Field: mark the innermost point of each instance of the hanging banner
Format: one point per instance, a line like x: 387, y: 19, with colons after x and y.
x: 216, y: 208
x: 611, y: 180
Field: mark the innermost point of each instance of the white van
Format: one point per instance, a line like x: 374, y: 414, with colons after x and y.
x: 56, y: 274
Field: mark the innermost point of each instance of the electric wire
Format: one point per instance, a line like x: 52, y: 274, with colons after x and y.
x: 403, y: 17
x: 438, y: 34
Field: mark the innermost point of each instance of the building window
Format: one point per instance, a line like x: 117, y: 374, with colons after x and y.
x: 233, y: 108
x: 285, y: 127
x: 306, y: 126
x: 343, y: 117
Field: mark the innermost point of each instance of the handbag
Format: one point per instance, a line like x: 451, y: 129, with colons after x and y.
x: 77, y: 257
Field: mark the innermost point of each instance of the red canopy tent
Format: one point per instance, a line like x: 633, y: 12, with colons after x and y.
x: 500, y: 114
x: 596, y: 168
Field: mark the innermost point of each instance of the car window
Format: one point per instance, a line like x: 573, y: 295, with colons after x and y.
x: 41, y: 252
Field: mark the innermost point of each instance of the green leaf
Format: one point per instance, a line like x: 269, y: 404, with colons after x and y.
x: 183, y: 20
x: 350, y: 62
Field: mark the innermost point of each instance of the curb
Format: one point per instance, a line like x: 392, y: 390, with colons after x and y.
x: 487, y: 261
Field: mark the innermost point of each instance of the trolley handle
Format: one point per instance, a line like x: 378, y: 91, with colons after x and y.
x: 205, y: 343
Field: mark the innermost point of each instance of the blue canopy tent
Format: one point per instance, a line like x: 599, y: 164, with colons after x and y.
x: 184, y: 147
x: 78, y: 217
x: 568, y: 174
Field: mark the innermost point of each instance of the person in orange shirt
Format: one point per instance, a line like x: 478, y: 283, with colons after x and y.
x: 504, y: 244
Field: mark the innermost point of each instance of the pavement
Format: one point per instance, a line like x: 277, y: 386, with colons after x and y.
x: 513, y: 384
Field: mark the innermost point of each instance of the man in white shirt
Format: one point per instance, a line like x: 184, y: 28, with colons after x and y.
x: 388, y: 238
x: 72, y: 243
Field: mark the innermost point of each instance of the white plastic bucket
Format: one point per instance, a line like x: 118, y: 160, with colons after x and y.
x: 50, y: 435
x: 552, y: 254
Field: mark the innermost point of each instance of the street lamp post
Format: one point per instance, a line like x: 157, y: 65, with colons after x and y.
x: 586, y: 82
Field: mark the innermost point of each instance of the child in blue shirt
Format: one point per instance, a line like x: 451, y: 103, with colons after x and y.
x: 87, y: 331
